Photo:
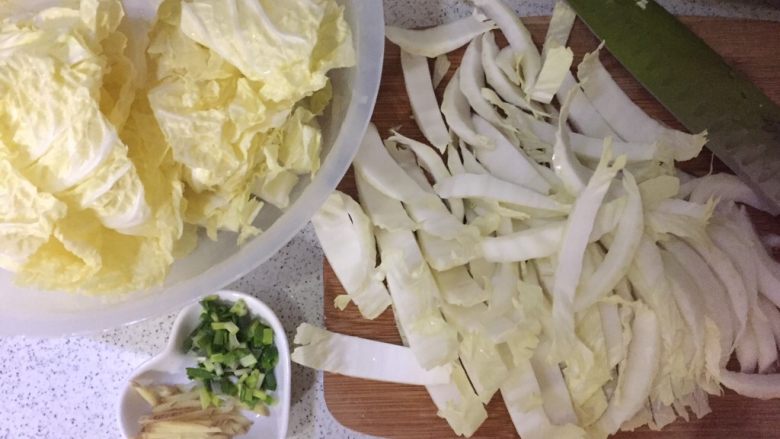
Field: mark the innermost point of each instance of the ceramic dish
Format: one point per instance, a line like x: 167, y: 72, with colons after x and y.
x: 168, y: 367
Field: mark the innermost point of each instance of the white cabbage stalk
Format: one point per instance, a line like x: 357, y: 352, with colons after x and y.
x: 444, y: 254
x: 503, y: 287
x: 466, y: 318
x: 514, y: 125
x: 491, y: 188
x: 457, y: 112
x: 458, y: 404
x: 554, y: 70
x: 578, y: 228
x: 735, y: 287
x: 523, y: 398
x: 771, y: 240
x: 566, y: 166
x: 378, y: 168
x: 690, y: 304
x: 432, y: 163
x: 441, y: 65
x: 472, y: 80
x: 622, y: 248
x: 498, y: 80
x: 415, y: 299
x: 507, y: 162
x: 613, y: 332
x: 662, y: 190
x: 767, y: 348
x: 628, y: 120
x: 726, y: 187
x: 583, y: 115
x: 517, y: 35
x: 651, y: 286
x: 741, y: 255
x: 773, y: 315
x: 455, y: 166
x: 712, y: 291
x: 608, y: 218
x: 543, y: 240
x: 636, y: 372
x: 555, y: 396
x: 470, y: 163
x: 459, y: 245
x: 531, y: 243
x: 586, y: 371
x: 584, y: 146
x: 440, y: 40
x: 425, y: 109
x: 407, y: 160
x: 347, y: 239
x: 747, y: 351
x: 483, y: 364
x: 383, y: 211
x: 509, y: 62
x: 681, y: 218
x: 561, y: 23
x: 643, y: 417
x: 752, y: 386
x: 768, y: 268
x: 454, y: 162
x: 459, y: 288
x: 332, y: 352
x: 663, y: 415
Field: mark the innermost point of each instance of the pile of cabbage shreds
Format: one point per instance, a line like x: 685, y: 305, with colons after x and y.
x: 550, y: 254
x: 119, y: 139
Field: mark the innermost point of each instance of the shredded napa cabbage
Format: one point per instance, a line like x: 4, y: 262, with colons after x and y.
x: 129, y: 133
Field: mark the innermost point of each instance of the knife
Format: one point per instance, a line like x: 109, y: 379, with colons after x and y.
x: 696, y: 85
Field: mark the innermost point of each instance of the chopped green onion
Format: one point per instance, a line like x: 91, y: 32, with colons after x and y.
x: 228, y: 326
x: 248, y: 360
x: 205, y: 398
x: 251, y: 380
x: 268, y: 336
x: 270, y: 381
x: 239, y: 308
x: 233, y: 342
x: 270, y: 358
x: 197, y: 373
x: 220, y: 338
x: 228, y: 388
x: 235, y: 354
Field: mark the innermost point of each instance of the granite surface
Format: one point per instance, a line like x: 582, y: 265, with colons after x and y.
x: 67, y: 387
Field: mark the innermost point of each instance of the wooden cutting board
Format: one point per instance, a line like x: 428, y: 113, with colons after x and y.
x: 401, y: 411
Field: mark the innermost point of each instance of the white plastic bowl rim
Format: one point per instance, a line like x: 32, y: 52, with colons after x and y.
x: 216, y: 264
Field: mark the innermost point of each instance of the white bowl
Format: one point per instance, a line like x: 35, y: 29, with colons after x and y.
x: 215, y: 264
x: 168, y: 367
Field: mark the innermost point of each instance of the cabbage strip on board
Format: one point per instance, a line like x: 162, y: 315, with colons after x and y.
x: 595, y: 295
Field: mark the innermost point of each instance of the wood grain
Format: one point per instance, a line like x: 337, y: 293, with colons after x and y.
x: 399, y: 411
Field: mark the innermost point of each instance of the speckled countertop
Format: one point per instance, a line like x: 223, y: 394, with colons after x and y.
x: 67, y: 387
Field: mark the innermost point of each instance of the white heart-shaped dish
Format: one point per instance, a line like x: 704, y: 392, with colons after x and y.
x: 168, y: 367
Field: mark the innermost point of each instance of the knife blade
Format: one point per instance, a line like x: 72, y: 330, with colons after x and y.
x: 696, y: 85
